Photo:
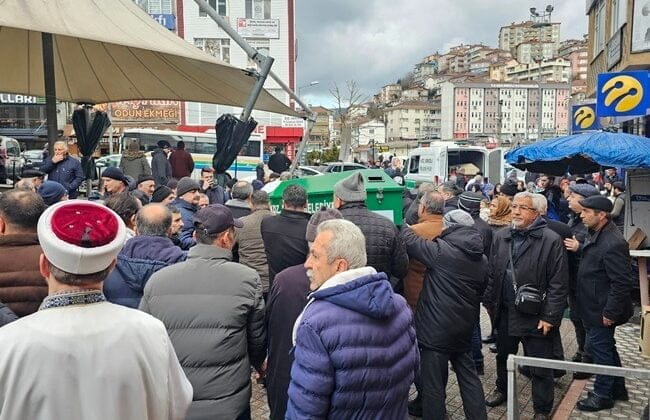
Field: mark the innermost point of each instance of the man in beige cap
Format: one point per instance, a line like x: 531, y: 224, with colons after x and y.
x: 81, y: 357
x: 384, y: 247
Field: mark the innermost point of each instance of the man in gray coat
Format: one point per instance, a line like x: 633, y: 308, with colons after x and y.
x: 214, y: 313
x: 249, y: 238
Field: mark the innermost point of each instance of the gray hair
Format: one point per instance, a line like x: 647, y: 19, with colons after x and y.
x: 347, y: 242
x: 424, y: 188
x: 242, y: 190
x: 433, y: 202
x: 62, y: 143
x: 153, y: 223
x: 540, y: 203
x: 260, y: 200
x: 538, y: 200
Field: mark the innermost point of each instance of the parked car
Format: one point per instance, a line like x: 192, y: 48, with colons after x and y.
x: 33, y: 158
x: 340, y: 167
x: 105, y: 162
x: 11, y: 161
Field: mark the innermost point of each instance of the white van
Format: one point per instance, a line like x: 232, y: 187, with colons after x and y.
x: 436, y: 162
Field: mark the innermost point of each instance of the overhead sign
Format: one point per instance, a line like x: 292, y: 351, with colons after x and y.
x: 6, y: 98
x: 623, y: 94
x: 583, y: 118
x: 168, y: 21
x: 292, y: 122
x: 150, y: 111
x: 258, y: 28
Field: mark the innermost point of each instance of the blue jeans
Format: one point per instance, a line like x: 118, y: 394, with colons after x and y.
x: 600, y: 343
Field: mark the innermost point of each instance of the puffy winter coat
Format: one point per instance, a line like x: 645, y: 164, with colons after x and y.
x: 67, y: 172
x: 214, y: 313
x: 22, y: 287
x: 161, y: 169
x: 605, y: 278
x: 385, y: 250
x: 137, y: 261
x: 456, y: 276
x: 541, y: 262
x: 356, y: 352
x: 134, y: 164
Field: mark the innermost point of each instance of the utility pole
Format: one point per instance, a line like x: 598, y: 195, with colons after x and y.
x: 541, y: 20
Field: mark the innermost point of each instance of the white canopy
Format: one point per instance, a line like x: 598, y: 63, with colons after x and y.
x: 111, y: 50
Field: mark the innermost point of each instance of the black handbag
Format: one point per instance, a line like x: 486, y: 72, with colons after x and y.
x: 528, y: 299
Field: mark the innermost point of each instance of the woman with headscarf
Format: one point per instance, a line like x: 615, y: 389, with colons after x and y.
x: 500, y: 213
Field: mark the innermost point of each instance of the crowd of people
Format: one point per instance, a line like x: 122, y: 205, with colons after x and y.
x: 161, y: 299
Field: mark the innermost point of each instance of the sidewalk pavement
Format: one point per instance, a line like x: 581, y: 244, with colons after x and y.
x: 627, y: 338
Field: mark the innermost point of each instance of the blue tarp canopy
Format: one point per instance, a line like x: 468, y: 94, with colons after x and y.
x: 582, y: 153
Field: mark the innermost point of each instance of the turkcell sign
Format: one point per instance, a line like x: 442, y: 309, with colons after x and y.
x: 583, y: 118
x: 168, y: 21
x: 623, y: 94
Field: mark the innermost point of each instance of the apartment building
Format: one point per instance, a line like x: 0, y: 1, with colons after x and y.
x: 512, y: 35
x: 410, y: 120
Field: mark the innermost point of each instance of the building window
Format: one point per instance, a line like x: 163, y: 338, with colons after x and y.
x: 219, y: 5
x: 155, y: 7
x: 261, y: 45
x: 599, y: 28
x: 258, y: 9
x: 219, y: 48
x: 619, y: 15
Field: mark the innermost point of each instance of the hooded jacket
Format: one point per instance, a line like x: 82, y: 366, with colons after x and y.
x: 456, y: 276
x: 134, y: 164
x: 355, y: 351
x: 539, y: 261
x: 137, y: 261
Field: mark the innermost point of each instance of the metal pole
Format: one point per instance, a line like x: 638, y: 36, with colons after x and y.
x: 50, y: 90
x: 539, y: 117
x: 513, y: 401
x: 265, y: 68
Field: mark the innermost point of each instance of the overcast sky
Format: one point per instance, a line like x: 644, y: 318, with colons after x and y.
x: 375, y: 42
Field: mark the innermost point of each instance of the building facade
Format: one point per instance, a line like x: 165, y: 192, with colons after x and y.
x: 514, y: 34
x: 557, y: 70
x: 509, y: 112
x: 410, y: 120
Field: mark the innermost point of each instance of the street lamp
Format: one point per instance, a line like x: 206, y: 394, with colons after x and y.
x: 540, y: 20
x: 310, y: 84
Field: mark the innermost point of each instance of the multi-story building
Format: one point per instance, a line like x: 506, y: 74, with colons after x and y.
x: 268, y: 26
x: 514, y: 34
x: 618, y: 40
x: 390, y: 93
x: 530, y: 51
x: 320, y: 132
x: 508, y: 111
x: 411, y: 120
x: 557, y: 70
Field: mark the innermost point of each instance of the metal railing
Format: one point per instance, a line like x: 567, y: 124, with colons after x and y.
x: 515, y: 361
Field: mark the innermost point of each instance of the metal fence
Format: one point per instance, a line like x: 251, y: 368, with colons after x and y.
x: 515, y: 361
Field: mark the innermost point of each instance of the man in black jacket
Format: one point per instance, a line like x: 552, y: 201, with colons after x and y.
x: 284, y: 234
x: 528, y: 254
x: 604, y: 286
x: 278, y: 161
x: 454, y: 282
x: 384, y: 247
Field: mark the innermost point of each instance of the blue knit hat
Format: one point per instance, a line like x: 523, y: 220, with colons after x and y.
x: 51, y: 192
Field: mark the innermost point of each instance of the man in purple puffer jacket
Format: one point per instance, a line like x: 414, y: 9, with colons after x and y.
x: 355, y: 352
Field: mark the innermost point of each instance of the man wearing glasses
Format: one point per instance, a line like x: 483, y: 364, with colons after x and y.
x: 527, y: 254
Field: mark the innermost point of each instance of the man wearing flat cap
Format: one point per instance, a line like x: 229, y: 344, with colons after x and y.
x: 384, y: 247
x: 79, y: 356
x: 604, y: 285
x: 214, y: 312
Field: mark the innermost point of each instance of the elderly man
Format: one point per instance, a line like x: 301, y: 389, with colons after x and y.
x: 64, y: 169
x: 145, y: 188
x: 114, y: 181
x: 529, y: 254
x: 355, y: 347
x: 604, y: 297
x: 149, y: 251
x: 384, y: 248
x: 240, y: 203
x: 456, y: 276
x: 22, y: 288
x: 214, y: 312
x: 136, y: 372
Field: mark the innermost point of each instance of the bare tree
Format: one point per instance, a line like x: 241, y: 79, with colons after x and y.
x: 346, y: 99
